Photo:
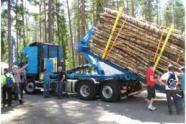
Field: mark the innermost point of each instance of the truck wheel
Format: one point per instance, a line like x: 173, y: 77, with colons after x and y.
x: 110, y: 92
x: 86, y: 90
x: 30, y: 87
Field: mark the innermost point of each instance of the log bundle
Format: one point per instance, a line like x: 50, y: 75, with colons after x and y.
x: 135, y: 44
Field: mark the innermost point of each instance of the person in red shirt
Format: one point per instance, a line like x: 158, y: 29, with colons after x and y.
x: 150, y: 86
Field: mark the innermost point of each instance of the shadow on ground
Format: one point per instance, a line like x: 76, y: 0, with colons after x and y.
x: 71, y: 110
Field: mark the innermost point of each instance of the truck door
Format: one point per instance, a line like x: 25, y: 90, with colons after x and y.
x: 31, y: 54
x: 48, y: 64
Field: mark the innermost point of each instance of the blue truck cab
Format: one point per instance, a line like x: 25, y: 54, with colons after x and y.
x: 40, y: 56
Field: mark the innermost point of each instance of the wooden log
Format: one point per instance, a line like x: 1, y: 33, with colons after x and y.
x: 145, y: 25
x: 174, y: 51
x: 136, y: 44
x: 133, y: 55
x: 147, y: 34
x: 140, y: 49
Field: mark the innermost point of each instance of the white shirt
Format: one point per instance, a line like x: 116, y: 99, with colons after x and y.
x: 165, y: 77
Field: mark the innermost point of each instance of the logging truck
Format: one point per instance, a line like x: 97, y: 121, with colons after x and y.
x: 112, y: 78
x: 106, y: 80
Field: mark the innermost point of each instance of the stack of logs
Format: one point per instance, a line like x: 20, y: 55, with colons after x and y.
x: 136, y: 44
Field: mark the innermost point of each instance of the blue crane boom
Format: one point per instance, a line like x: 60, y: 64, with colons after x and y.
x: 83, y: 47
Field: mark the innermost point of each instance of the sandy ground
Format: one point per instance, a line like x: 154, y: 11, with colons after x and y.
x: 71, y: 110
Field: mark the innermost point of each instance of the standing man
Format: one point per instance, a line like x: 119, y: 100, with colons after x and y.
x: 170, y: 80
x: 60, y: 84
x: 20, y: 85
x: 46, y: 78
x: 150, y: 86
x: 182, y: 85
x: 182, y: 81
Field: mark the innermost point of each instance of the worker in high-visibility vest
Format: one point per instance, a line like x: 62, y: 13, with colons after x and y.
x: 2, y: 80
x: 7, y: 83
x: 3, y: 90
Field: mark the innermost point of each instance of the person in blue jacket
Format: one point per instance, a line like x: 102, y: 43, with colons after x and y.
x: 46, y: 78
x: 182, y: 85
x: 182, y: 80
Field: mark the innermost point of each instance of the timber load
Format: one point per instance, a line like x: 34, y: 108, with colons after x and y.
x: 135, y: 43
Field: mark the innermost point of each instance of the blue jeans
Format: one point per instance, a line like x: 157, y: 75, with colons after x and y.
x: 59, y: 88
x: 46, y: 88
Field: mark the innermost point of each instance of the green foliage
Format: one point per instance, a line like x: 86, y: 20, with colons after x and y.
x: 69, y: 61
x: 178, y: 12
x: 147, y: 9
x: 61, y: 32
x: 4, y: 41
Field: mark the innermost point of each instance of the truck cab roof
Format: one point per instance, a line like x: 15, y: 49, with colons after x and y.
x: 40, y: 44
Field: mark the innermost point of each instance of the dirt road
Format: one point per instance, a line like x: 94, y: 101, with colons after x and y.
x: 71, y: 110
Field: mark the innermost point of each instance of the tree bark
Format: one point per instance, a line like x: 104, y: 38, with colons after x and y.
x: 132, y: 8
x: 50, y: 21
x: 71, y: 36
x: 78, y: 29
x: 45, y: 23
x: 10, y: 60
x: 23, y: 19
x: 17, y: 44
x: 83, y: 23
x: 40, y: 34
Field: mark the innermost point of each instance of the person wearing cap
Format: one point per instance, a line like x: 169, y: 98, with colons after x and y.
x: 170, y: 81
x: 151, y: 81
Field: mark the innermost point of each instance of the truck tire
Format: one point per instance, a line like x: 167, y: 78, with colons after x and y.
x: 110, y: 91
x: 30, y: 87
x: 86, y: 90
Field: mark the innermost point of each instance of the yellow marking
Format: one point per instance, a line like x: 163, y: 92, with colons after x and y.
x: 164, y: 45
x: 161, y: 37
x: 114, y: 42
x: 112, y: 32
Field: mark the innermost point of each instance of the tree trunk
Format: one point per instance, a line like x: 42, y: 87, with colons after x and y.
x: 40, y: 34
x: 149, y: 12
x: 83, y: 22
x: 10, y: 60
x: 45, y: 23
x: 78, y: 29
x: 17, y: 44
x: 83, y: 18
x: 50, y: 21
x: 132, y: 8
x: 127, y: 9
x: 93, y: 12
x: 71, y: 36
x: 23, y: 19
